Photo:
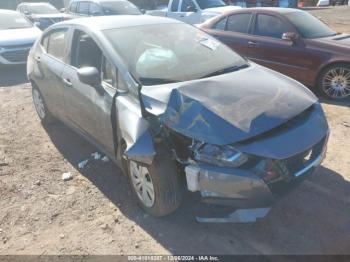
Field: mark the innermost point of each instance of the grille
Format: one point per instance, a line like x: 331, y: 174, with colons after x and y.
x: 16, y: 55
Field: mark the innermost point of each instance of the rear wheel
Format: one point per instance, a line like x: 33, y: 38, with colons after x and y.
x: 334, y: 82
x: 40, y: 106
x: 158, y: 187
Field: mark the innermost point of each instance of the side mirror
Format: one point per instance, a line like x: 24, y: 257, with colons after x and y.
x: 90, y: 76
x: 26, y: 12
x: 143, y: 11
x: 191, y: 8
x: 62, y: 10
x: 290, y: 36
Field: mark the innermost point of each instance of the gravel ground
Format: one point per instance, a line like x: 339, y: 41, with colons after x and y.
x: 94, y: 213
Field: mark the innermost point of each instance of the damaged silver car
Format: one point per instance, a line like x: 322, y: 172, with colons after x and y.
x: 177, y: 110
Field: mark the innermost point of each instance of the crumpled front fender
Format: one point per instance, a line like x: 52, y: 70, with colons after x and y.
x: 134, y: 130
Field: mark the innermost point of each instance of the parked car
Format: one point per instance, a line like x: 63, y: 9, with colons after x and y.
x: 173, y: 106
x: 289, y: 41
x: 17, y: 36
x: 44, y: 14
x: 84, y: 8
x: 193, y: 11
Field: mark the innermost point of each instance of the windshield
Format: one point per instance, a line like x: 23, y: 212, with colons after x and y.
x: 167, y: 53
x: 308, y: 25
x: 120, y: 8
x: 42, y: 9
x: 13, y: 21
x: 204, y: 4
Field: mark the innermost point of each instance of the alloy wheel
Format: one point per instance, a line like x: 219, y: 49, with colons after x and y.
x: 142, y: 183
x: 336, y: 83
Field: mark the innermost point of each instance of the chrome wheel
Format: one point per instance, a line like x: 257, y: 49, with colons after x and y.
x: 39, y: 103
x: 336, y: 83
x: 142, y: 183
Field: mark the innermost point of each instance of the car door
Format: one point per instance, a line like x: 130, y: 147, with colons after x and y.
x: 269, y: 49
x: 233, y: 30
x: 189, y: 12
x: 88, y: 107
x: 50, y: 62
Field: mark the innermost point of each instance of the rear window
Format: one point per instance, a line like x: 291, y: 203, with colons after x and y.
x: 119, y: 8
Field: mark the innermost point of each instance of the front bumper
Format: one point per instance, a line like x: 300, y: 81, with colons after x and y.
x: 246, y: 188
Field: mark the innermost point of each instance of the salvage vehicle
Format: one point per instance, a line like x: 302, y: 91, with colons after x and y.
x: 193, y: 11
x: 17, y: 36
x: 44, y: 14
x: 290, y: 41
x: 172, y: 106
x: 84, y: 8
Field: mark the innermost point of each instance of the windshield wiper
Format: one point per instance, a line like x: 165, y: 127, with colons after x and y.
x: 226, y: 70
x: 155, y: 81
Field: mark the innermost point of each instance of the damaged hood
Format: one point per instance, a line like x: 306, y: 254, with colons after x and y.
x: 228, y: 108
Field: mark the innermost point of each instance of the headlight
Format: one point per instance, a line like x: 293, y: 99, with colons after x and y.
x: 220, y: 155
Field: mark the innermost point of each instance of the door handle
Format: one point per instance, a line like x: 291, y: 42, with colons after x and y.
x: 182, y: 15
x: 252, y: 43
x: 67, y: 82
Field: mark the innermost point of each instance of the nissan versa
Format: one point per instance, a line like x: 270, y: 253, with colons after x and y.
x: 176, y: 109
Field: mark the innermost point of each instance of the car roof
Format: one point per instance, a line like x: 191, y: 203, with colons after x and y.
x: 100, y: 23
x: 8, y: 12
x: 34, y: 4
x: 279, y: 10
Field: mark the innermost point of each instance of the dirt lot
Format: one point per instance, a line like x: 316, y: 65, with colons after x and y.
x: 94, y: 213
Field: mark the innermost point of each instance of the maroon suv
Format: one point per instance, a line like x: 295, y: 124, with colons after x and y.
x: 289, y: 41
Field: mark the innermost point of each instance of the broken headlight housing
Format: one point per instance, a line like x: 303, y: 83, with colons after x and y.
x: 220, y: 155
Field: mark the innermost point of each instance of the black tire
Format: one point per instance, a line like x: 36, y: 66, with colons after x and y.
x: 169, y: 186
x: 44, y: 114
x: 324, y: 80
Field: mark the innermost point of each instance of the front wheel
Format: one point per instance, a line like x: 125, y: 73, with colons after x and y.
x: 334, y: 82
x: 158, y: 187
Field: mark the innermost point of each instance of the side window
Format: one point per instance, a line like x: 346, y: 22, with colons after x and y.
x: 271, y: 26
x: 56, y: 43
x: 85, y: 51
x: 83, y: 8
x: 221, y: 24
x: 186, y: 5
x: 175, y: 5
x: 108, y: 72
x: 73, y: 7
x: 95, y: 9
x: 238, y: 23
x: 45, y: 42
